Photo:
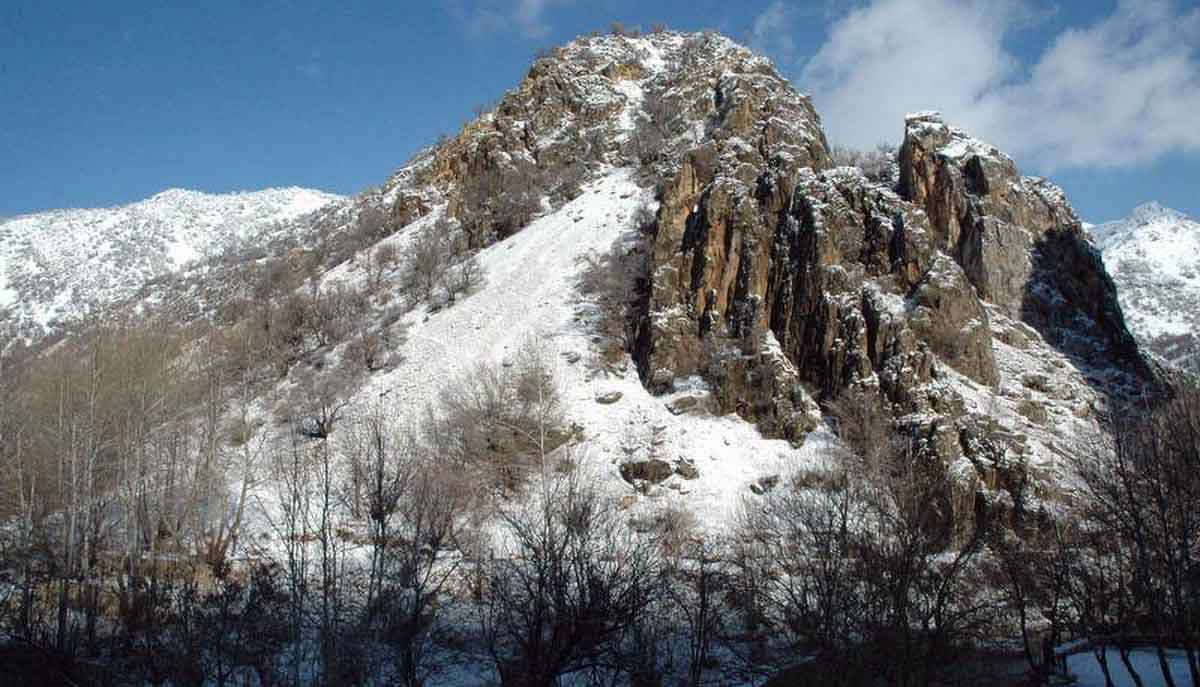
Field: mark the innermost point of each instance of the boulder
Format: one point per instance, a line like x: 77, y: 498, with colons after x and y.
x: 646, y: 472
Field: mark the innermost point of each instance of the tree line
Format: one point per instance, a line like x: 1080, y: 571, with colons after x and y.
x: 157, y: 529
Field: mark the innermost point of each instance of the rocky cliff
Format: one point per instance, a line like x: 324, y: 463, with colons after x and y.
x: 789, y: 286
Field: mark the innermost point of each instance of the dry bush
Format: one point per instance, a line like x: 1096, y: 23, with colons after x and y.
x: 315, y: 401
x: 614, y: 282
x: 500, y: 419
x: 428, y: 260
x: 675, y: 527
x: 331, y: 311
x: 379, y: 262
x: 463, y: 277
x: 365, y: 350
x: 864, y: 424
x: 879, y: 165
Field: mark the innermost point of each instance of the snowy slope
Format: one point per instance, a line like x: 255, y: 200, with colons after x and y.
x: 1154, y: 258
x: 531, y: 291
x: 62, y: 263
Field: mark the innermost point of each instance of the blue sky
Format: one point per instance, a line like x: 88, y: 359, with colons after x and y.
x: 109, y: 102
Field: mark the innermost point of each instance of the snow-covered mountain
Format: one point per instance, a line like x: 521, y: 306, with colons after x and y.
x: 765, y: 284
x: 1154, y: 257
x: 63, y: 263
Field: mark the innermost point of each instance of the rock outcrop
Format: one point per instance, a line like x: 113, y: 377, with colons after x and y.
x: 967, y: 299
x: 1017, y: 238
x: 786, y: 286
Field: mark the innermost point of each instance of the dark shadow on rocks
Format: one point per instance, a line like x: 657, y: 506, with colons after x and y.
x: 1072, y: 302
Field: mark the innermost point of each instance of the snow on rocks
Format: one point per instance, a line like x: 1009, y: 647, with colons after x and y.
x: 530, y: 291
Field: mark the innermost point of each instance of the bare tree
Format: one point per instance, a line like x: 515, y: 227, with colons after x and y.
x: 463, y: 277
x: 428, y: 260
x: 561, y: 596
x: 415, y: 570
x: 1140, y: 499
x: 696, y: 582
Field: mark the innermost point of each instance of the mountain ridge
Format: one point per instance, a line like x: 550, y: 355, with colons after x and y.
x: 1154, y: 257
x: 126, y: 245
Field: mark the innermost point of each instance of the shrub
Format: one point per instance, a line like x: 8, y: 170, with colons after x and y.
x: 501, y: 418
x: 428, y: 260
x: 878, y: 165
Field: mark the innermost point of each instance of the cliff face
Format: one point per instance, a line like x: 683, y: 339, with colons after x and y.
x: 1017, y: 238
x: 966, y: 298
x: 787, y: 288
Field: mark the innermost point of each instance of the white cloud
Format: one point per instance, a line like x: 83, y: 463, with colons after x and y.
x: 771, y: 32
x: 527, y: 17
x: 1118, y: 92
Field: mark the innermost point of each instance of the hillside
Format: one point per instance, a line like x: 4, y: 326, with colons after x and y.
x: 965, y: 296
x: 62, y: 264
x: 1154, y: 257
x: 616, y: 376
x: 768, y: 285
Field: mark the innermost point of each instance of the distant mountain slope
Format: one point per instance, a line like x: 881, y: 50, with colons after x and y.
x: 63, y: 263
x: 1154, y: 258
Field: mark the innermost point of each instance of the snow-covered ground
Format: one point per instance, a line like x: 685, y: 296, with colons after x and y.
x: 1145, y: 661
x: 531, y: 292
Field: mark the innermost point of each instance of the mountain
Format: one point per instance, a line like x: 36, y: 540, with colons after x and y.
x: 756, y: 301
x: 61, y: 264
x: 1154, y: 257
x: 767, y: 288
x: 644, y: 273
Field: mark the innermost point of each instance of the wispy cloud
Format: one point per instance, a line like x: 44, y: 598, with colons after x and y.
x: 1120, y: 91
x: 482, y: 17
x: 771, y: 32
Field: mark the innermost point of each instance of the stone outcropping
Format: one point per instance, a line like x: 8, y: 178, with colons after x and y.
x: 785, y: 286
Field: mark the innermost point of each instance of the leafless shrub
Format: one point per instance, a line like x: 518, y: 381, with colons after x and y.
x: 370, y: 226
x: 366, y: 349
x: 315, y: 401
x: 675, y: 527
x: 562, y: 596
x: 501, y: 419
x: 379, y: 261
x: 614, y: 281
x: 463, y: 277
x: 428, y: 260
x: 331, y: 311
x: 878, y: 165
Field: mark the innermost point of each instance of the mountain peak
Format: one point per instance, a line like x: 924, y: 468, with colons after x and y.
x: 125, y: 245
x: 1153, y: 211
x: 1152, y: 257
